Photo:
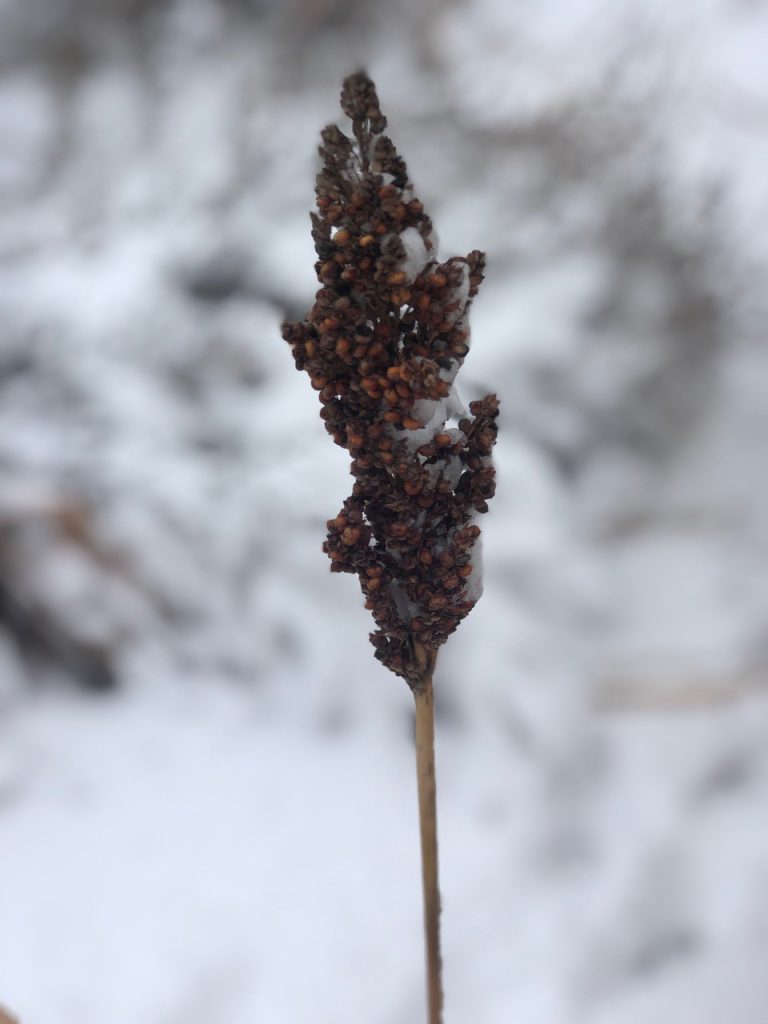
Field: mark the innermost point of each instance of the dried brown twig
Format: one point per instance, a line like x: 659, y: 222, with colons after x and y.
x: 382, y: 346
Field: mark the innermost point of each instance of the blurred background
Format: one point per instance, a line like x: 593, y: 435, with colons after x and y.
x: 207, y: 794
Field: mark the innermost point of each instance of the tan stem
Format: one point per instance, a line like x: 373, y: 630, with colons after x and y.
x: 425, y: 769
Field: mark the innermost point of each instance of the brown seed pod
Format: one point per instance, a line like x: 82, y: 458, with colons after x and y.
x: 377, y: 342
x: 351, y: 535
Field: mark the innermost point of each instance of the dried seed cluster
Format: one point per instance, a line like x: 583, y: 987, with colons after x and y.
x: 382, y: 346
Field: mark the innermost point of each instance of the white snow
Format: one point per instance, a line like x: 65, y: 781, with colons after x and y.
x: 416, y: 257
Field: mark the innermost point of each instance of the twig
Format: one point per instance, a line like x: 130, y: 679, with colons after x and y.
x: 425, y: 771
x: 382, y: 345
x: 694, y: 695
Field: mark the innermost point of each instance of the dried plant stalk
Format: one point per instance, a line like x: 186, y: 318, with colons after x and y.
x: 425, y: 775
x: 382, y: 345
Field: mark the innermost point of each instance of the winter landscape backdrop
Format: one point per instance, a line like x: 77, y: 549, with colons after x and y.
x: 207, y: 796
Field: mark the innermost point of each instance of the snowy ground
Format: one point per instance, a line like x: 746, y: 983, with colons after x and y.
x: 230, y: 833
x: 190, y: 856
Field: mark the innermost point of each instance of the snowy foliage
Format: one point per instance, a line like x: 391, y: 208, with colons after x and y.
x: 170, y: 849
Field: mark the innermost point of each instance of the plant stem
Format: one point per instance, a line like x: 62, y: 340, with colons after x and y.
x: 425, y: 770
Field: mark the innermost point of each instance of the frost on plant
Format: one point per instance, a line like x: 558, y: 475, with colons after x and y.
x: 382, y: 346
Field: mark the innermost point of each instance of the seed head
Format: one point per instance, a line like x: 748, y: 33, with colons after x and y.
x: 382, y: 346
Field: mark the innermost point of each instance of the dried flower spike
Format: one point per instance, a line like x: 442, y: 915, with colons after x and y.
x: 382, y: 346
